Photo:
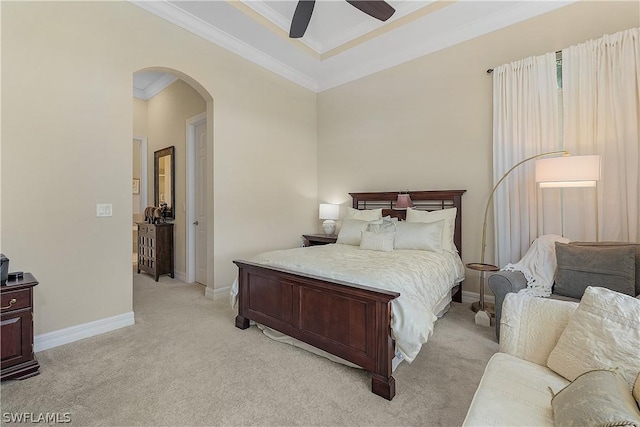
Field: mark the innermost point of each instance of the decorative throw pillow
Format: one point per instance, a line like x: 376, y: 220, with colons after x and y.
x: 351, y: 231
x: 603, y: 332
x: 596, y: 398
x: 388, y: 224
x: 611, y: 267
x: 636, y: 389
x: 364, y: 214
x: 449, y: 216
x: 421, y: 236
x: 636, y: 246
x: 377, y: 241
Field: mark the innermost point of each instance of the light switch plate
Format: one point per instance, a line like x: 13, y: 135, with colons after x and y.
x: 104, y: 209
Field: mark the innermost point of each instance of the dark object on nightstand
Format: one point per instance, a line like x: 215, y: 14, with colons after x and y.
x: 155, y: 248
x: 15, y: 275
x: 4, y: 269
x: 16, y: 329
x: 318, y: 239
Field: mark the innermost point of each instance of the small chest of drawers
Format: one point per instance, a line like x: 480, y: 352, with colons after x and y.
x: 155, y: 248
x: 18, y: 360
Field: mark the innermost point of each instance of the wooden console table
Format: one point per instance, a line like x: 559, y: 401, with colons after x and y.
x: 16, y: 329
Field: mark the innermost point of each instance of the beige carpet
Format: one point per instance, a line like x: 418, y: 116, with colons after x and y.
x: 184, y: 363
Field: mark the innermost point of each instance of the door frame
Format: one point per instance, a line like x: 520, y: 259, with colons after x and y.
x: 191, y: 124
x: 144, y: 147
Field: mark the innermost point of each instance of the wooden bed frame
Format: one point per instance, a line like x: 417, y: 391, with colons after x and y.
x: 347, y: 320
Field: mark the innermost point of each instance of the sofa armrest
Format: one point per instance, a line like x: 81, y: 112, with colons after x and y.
x: 502, y: 283
x: 531, y: 326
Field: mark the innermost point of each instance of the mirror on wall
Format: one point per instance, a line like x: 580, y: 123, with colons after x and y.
x: 164, y: 182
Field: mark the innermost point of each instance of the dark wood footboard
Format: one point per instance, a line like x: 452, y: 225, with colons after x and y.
x: 346, y: 320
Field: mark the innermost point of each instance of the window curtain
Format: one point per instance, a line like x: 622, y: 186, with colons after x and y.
x: 601, y: 98
x: 525, y: 124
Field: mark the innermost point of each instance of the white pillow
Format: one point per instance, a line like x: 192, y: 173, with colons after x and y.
x: 603, y: 333
x: 351, y: 231
x: 421, y: 236
x: 449, y: 216
x: 364, y: 215
x: 377, y: 241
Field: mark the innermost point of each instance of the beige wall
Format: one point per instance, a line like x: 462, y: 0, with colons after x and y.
x: 427, y: 124
x: 66, y: 145
x: 167, y: 115
x: 67, y: 131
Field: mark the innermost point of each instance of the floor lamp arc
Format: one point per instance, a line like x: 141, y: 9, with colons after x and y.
x: 495, y: 187
x: 483, y: 317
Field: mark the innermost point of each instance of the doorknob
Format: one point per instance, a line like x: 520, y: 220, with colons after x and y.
x: 195, y: 223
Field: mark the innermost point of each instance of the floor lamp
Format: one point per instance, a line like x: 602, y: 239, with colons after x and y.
x: 483, y: 311
x: 574, y: 171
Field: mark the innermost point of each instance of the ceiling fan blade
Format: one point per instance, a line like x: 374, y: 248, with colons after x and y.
x: 301, y: 18
x: 377, y: 8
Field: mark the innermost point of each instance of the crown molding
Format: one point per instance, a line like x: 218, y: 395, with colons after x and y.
x: 515, y: 14
x: 154, y: 88
x: 352, y: 67
x: 179, y: 17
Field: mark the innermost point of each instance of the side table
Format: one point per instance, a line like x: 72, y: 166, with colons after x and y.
x: 484, y: 311
x: 319, y: 239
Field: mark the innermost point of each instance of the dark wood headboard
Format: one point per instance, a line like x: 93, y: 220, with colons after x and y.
x: 422, y: 200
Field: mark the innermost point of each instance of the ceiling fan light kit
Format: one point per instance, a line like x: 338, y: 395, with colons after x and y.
x: 378, y: 9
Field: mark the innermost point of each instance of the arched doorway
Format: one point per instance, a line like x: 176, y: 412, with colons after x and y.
x: 172, y: 109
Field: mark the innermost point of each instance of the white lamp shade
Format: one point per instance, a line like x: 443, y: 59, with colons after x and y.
x: 329, y: 211
x: 568, y: 171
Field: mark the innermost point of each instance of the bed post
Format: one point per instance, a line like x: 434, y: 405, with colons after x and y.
x: 382, y: 382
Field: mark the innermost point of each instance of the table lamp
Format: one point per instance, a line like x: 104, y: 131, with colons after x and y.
x: 404, y: 201
x: 329, y: 213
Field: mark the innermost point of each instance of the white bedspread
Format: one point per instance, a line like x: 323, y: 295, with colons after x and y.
x: 421, y: 277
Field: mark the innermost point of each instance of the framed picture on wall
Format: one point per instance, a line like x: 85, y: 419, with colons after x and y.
x: 136, y: 186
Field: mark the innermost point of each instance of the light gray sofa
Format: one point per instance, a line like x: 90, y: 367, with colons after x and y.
x: 583, y: 268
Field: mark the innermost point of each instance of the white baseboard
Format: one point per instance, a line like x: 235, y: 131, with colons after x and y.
x: 217, y: 293
x: 469, y: 297
x: 180, y: 276
x: 74, y: 333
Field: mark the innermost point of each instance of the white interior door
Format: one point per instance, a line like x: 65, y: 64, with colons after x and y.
x: 201, y: 202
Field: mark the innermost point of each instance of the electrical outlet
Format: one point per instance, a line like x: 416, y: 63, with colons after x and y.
x: 104, y: 209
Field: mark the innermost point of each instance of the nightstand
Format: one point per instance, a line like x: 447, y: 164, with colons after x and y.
x: 318, y: 239
x: 18, y: 359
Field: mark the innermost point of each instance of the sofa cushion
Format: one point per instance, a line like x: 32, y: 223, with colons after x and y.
x: 611, y: 267
x: 636, y: 246
x: 599, y: 397
x: 603, y: 333
x: 514, y: 392
x: 531, y: 326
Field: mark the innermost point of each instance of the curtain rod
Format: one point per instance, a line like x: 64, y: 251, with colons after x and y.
x: 558, y: 56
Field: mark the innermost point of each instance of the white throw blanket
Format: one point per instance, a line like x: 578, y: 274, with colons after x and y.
x: 539, y: 265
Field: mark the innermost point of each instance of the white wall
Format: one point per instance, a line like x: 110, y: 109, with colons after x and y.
x: 66, y: 145
x: 427, y: 124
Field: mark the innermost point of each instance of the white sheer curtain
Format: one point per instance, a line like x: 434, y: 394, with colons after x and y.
x: 601, y: 97
x: 525, y: 123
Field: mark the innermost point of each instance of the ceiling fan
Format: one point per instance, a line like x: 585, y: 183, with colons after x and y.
x: 379, y: 9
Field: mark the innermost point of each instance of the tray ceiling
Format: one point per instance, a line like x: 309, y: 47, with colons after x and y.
x: 341, y: 44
